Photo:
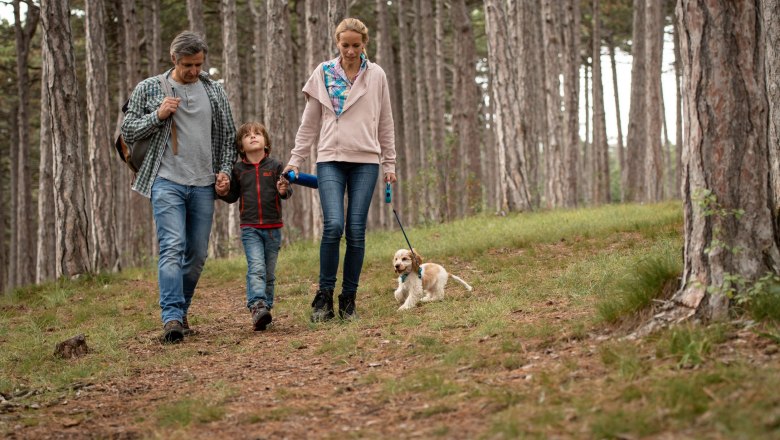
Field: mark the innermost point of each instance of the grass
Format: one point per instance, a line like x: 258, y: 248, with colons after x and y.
x: 528, y: 353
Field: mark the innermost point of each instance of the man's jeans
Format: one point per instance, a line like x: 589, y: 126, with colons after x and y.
x: 357, y: 180
x: 183, y: 216
x: 262, y: 250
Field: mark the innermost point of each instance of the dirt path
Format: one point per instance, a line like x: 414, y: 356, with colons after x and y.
x: 278, y: 386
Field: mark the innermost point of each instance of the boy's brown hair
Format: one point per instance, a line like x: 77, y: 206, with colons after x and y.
x: 250, y: 127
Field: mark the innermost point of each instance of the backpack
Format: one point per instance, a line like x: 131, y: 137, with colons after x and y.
x: 133, y: 154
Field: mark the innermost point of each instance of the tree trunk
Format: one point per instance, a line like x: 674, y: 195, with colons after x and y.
x: 258, y: 55
x: 195, y: 16
x: 24, y: 237
x: 337, y: 11
x: 536, y: 100
x: 319, y: 44
x: 725, y: 159
x: 72, y: 252
x: 587, y: 147
x: 620, y: 148
x: 599, y: 164
x: 384, y: 57
x: 410, y: 133
x: 142, y: 236
x: 771, y: 27
x: 152, y: 35
x: 280, y: 127
x: 556, y: 173
x: 465, y: 108
x: 507, y: 86
x: 445, y: 156
x: 435, y: 140
x: 231, y: 70
x: 678, y: 138
x: 571, y: 92
x: 637, y: 114
x: 45, y: 268
x: 654, y: 182
x: 420, y: 182
x: 105, y: 254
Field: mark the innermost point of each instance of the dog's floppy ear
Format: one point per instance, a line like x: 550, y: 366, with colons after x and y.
x: 417, y: 259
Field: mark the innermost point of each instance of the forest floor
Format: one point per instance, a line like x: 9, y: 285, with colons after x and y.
x: 475, y: 365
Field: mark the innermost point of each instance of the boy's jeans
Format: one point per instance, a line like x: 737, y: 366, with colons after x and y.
x: 262, y: 250
x: 358, y: 181
x: 182, y: 215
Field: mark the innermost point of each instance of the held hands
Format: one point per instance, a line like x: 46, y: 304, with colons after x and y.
x: 168, y: 107
x: 222, y: 186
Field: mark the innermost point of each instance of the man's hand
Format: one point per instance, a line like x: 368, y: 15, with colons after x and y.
x: 222, y: 185
x: 168, y: 107
x: 281, y: 185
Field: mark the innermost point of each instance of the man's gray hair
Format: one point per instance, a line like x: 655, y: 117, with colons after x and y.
x: 188, y: 43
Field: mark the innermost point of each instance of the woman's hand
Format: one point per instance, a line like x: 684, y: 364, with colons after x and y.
x: 288, y: 168
x: 390, y: 178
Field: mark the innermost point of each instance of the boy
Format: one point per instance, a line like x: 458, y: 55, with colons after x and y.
x: 257, y: 181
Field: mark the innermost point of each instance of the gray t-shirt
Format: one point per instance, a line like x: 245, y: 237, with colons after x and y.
x: 192, y: 165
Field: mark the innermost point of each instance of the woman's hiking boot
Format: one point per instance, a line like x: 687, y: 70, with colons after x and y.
x: 261, y: 316
x: 185, y: 325
x: 322, y: 306
x: 347, y: 306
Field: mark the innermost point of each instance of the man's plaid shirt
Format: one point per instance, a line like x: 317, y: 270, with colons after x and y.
x: 141, y: 121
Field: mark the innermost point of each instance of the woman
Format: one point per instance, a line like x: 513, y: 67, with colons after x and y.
x: 348, y: 114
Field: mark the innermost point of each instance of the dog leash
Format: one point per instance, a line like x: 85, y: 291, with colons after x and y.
x: 388, y: 199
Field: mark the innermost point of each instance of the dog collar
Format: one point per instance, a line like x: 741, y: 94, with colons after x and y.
x: 419, y: 274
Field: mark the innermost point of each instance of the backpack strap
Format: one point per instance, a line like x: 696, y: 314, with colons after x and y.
x: 168, y: 90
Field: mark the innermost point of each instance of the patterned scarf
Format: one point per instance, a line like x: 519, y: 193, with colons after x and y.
x: 337, y: 83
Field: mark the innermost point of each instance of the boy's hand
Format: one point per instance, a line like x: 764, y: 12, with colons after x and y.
x: 222, y: 185
x: 281, y: 185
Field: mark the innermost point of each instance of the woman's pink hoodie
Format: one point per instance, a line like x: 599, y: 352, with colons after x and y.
x: 363, y: 133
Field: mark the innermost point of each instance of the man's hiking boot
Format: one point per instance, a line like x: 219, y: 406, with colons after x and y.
x: 322, y: 306
x: 347, y: 306
x: 173, y: 332
x: 261, y: 316
x: 185, y: 325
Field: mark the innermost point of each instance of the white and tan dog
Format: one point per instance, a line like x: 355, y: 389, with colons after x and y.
x: 419, y: 282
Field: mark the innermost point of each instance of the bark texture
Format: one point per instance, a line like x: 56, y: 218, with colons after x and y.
x: 45, y: 267
x: 72, y: 251
x: 102, y: 227
x: 637, y: 114
x: 726, y: 153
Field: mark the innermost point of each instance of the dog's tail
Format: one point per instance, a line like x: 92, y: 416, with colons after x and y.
x: 458, y: 279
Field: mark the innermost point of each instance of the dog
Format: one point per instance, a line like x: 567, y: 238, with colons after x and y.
x: 418, y: 282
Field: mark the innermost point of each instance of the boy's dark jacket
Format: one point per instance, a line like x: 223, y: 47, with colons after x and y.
x: 255, y: 186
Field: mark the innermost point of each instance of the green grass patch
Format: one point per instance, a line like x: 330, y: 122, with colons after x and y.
x: 654, y: 276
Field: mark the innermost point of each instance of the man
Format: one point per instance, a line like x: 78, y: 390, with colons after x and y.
x: 190, y: 156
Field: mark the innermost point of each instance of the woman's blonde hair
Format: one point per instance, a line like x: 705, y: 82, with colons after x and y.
x: 355, y: 25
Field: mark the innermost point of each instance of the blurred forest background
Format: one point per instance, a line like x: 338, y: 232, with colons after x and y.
x: 486, y: 98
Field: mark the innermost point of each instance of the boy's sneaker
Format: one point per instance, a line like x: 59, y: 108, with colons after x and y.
x: 347, y: 306
x: 322, y: 306
x: 261, y: 316
x: 173, y: 332
x: 185, y: 325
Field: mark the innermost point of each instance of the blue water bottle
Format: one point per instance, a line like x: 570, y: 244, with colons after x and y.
x: 303, y: 179
x: 388, y: 193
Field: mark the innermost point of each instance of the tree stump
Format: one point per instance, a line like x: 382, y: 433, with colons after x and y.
x: 72, y: 348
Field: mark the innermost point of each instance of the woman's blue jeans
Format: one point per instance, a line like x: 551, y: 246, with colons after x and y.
x: 183, y: 216
x: 261, y: 247
x: 357, y: 181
